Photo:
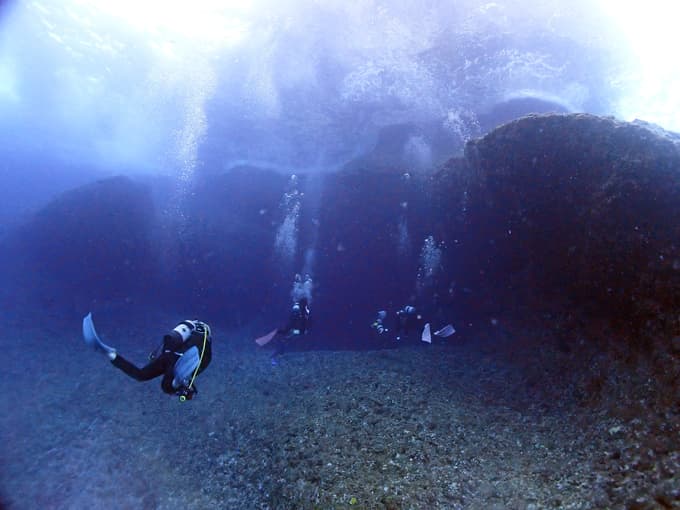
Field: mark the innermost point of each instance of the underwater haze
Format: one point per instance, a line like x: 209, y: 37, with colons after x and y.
x: 415, y: 255
x: 166, y: 87
x: 161, y: 87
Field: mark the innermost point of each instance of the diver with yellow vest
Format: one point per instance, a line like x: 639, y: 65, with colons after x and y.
x: 183, y: 354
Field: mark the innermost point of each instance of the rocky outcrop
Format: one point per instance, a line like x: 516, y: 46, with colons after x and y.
x: 576, y: 207
x: 574, y: 212
x: 92, y: 241
x: 221, y: 256
x: 366, y: 262
x: 145, y: 240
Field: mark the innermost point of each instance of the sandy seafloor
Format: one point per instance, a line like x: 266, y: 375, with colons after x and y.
x: 469, y: 423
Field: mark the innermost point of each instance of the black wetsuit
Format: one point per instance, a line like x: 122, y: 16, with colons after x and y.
x: 165, y: 357
x: 298, y: 324
x: 406, y: 322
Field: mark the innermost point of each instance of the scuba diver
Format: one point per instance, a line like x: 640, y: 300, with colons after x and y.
x: 379, y: 323
x: 183, y: 354
x: 298, y: 324
x: 298, y: 320
x: 404, y: 321
x: 407, y: 319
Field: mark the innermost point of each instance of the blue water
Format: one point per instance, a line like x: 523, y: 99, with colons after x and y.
x: 162, y: 161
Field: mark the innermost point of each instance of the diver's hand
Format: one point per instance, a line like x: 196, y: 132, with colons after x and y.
x: 112, y: 354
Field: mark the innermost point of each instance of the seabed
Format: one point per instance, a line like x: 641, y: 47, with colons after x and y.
x: 472, y: 422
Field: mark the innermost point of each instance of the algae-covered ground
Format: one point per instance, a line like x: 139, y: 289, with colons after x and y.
x: 472, y: 422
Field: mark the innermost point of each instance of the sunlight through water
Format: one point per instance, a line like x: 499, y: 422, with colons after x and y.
x: 651, y: 82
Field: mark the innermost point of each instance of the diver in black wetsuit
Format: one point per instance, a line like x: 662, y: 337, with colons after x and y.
x: 298, y: 324
x: 407, y: 319
x: 183, y: 354
x: 404, y: 321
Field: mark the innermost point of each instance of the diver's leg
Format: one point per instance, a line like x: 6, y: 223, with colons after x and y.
x: 166, y: 383
x: 279, y: 348
x: 154, y: 369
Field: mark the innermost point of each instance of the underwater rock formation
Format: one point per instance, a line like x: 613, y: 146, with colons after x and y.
x: 224, y: 260
x: 571, y: 211
x: 359, y: 265
x: 137, y: 239
x: 572, y: 207
x: 89, y: 242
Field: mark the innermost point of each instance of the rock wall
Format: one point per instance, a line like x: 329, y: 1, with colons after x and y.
x: 90, y: 242
x: 570, y: 211
x: 366, y: 261
x: 218, y: 245
x: 572, y: 207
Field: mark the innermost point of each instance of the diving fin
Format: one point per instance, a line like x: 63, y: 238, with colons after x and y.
x: 426, y: 336
x: 185, y: 366
x: 264, y: 340
x: 446, y: 331
x: 91, y: 337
